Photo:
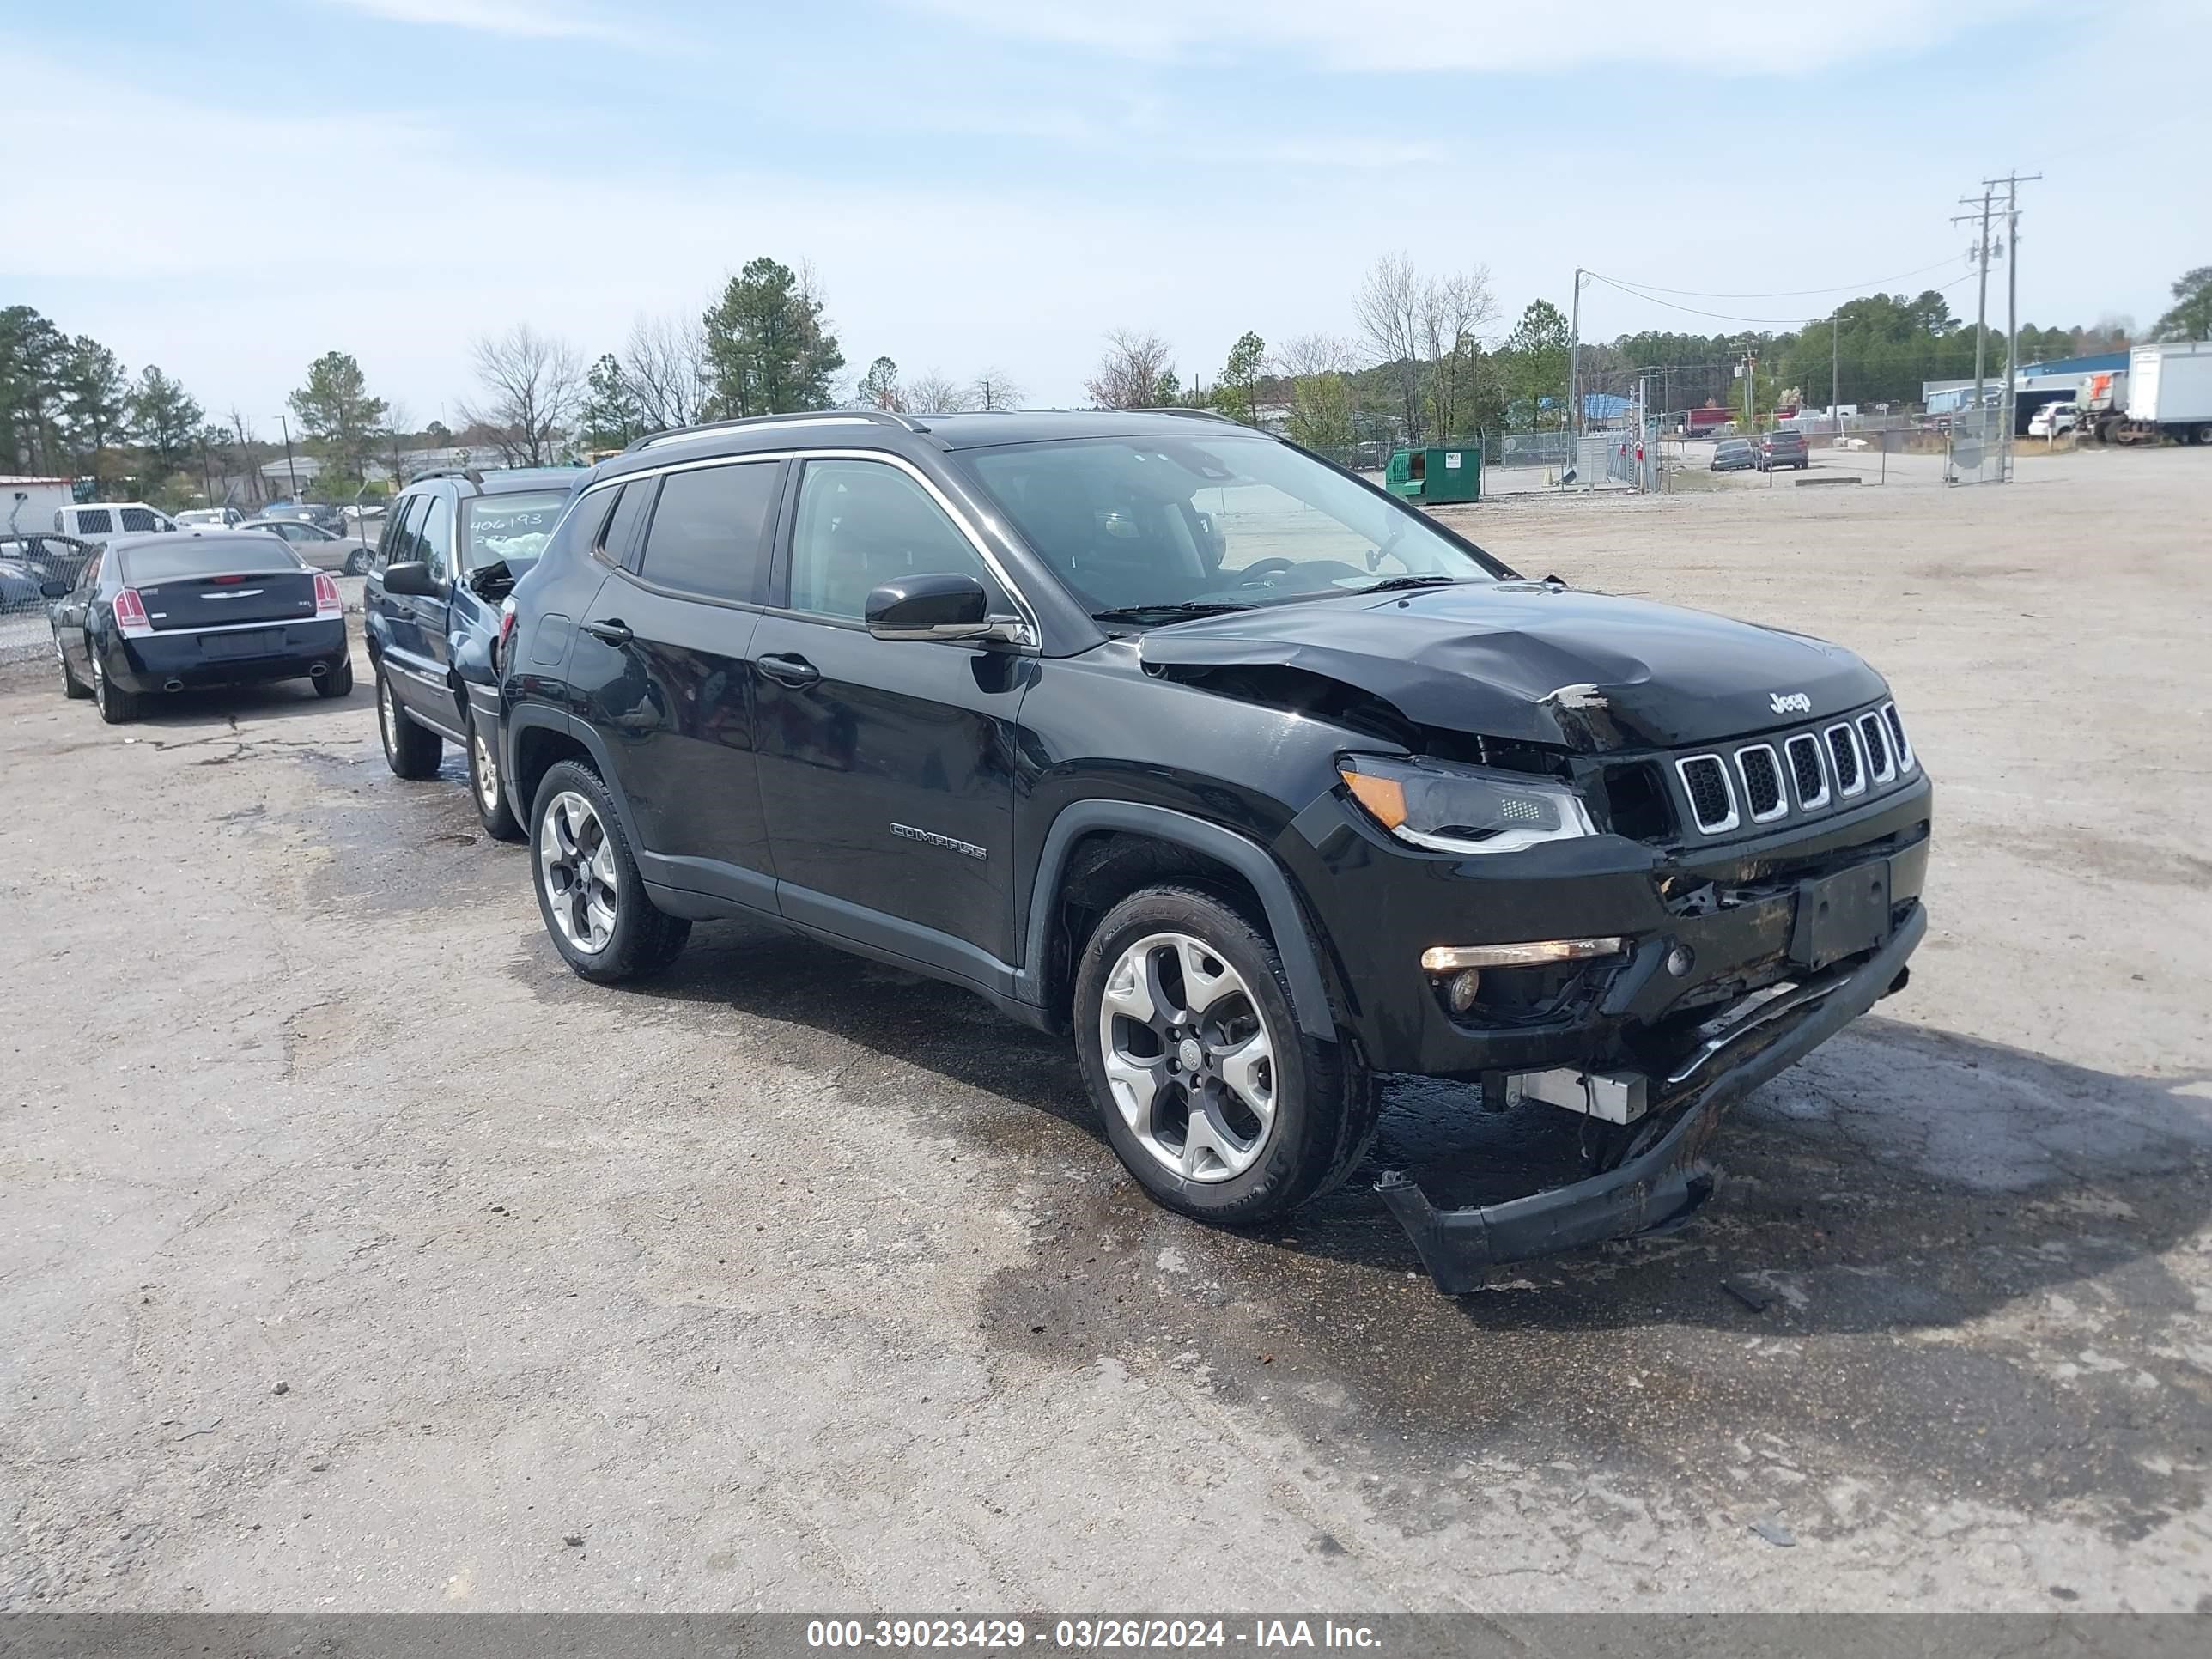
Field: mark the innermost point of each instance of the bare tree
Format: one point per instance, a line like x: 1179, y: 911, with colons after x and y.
x: 1453, y: 310
x: 934, y: 394
x: 239, y: 424
x: 532, y: 383
x: 665, y: 364
x: 994, y: 389
x: 1389, y: 312
x: 1130, y: 374
x: 1317, y: 354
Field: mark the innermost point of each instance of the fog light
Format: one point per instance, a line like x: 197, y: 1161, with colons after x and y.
x: 1447, y: 958
x: 1460, y: 989
x: 1680, y: 960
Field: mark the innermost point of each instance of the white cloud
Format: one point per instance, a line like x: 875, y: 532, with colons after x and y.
x: 524, y: 19
x: 1710, y: 36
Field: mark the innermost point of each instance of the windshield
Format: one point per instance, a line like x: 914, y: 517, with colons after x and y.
x: 1141, y: 524
x: 512, y: 528
x: 208, y: 555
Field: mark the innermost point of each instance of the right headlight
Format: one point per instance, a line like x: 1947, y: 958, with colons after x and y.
x: 1462, y: 808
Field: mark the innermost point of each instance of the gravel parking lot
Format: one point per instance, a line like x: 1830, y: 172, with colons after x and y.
x: 355, y: 1256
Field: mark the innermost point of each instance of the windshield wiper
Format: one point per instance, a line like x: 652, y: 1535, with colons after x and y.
x: 1397, y: 582
x: 1143, y: 613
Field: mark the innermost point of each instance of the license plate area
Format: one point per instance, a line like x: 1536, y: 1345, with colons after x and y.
x: 1845, y: 914
x: 253, y: 642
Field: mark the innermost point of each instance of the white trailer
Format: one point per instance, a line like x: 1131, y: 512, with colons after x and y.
x: 29, y: 504
x: 2168, y: 394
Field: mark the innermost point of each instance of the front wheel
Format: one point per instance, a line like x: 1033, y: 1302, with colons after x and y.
x: 488, y: 784
x: 1213, y: 1097
x: 71, y: 686
x: 357, y: 562
x: 411, y: 750
x: 589, y: 890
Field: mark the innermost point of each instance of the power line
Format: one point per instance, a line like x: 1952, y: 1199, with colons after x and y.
x: 1730, y: 317
x: 1788, y: 292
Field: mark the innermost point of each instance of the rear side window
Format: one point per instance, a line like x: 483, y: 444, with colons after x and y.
x: 710, y: 530
x: 620, y: 541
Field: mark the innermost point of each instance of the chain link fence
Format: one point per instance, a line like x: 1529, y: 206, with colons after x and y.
x: 29, y: 563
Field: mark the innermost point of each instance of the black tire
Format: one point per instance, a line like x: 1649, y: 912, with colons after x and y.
x: 643, y: 939
x: 356, y: 562
x: 72, y: 687
x: 411, y: 750
x: 339, y: 682
x: 117, y: 706
x: 488, y: 788
x: 1325, y: 1103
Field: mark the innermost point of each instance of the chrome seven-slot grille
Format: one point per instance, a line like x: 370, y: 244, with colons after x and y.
x: 1764, y: 781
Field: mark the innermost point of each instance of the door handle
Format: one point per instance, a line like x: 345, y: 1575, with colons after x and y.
x: 791, y: 670
x: 612, y: 630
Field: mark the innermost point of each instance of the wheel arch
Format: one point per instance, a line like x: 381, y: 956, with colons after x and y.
x: 1096, y: 852
x: 537, y: 739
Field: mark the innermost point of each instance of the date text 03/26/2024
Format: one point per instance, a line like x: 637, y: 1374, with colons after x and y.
x: 1090, y: 1635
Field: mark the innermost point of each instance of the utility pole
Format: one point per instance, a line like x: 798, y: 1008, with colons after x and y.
x: 2012, y: 182
x: 291, y: 465
x: 1835, y: 358
x: 1574, y: 360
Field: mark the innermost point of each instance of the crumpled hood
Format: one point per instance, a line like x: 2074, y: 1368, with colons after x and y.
x: 1530, y: 663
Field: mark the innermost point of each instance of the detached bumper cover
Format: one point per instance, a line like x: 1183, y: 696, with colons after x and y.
x: 1665, y: 1184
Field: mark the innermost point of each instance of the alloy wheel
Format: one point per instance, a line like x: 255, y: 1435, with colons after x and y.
x: 487, y: 769
x: 576, y: 864
x: 1188, y: 1057
x: 385, y: 715
x: 98, y: 685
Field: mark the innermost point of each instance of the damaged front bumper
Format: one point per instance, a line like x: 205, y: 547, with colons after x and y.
x: 1665, y: 1183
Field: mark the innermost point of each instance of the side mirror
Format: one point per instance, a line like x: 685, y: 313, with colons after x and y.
x: 412, y: 577
x: 934, y: 607
x: 54, y: 590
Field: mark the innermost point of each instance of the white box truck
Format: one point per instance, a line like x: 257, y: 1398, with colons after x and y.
x: 2167, y: 393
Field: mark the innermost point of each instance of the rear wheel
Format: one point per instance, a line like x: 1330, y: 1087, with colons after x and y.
x: 411, y: 750
x: 338, y: 682
x: 357, y: 562
x: 1213, y: 1097
x: 116, y: 705
x: 488, y: 784
x: 2202, y: 435
x: 589, y: 890
x: 71, y: 686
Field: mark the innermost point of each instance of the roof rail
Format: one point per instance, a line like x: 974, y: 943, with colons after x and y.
x: 1190, y: 414
x: 880, y: 417
x: 468, y: 472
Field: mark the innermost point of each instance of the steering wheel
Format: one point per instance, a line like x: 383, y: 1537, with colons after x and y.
x: 1260, y: 569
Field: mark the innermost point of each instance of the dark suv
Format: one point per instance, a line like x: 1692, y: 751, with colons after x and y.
x: 1159, y: 730
x: 454, y: 544
x: 1784, y: 446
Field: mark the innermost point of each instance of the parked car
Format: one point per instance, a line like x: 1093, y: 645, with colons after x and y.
x: 1784, y: 446
x: 1156, y: 731
x: 204, y: 518
x: 1734, y: 455
x: 315, y: 512
x: 95, y: 521
x: 454, y: 545
x: 184, y: 609
x: 50, y: 556
x: 2052, y: 419
x: 21, y: 586
x: 348, y: 555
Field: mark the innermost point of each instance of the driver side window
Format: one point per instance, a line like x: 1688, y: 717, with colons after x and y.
x: 864, y: 523
x: 436, y: 539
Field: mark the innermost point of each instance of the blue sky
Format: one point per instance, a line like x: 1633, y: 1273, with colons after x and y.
x: 229, y: 188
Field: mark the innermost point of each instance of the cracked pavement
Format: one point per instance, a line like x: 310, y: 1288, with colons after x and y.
x: 792, y: 1282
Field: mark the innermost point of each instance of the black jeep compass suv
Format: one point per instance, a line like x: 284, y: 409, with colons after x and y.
x: 1160, y: 731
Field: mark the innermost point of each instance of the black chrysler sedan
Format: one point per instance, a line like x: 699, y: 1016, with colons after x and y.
x: 159, y: 613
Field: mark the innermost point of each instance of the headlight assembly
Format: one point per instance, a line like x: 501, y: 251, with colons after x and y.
x: 1462, y: 808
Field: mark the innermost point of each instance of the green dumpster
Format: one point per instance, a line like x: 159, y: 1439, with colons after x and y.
x: 1435, y: 475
